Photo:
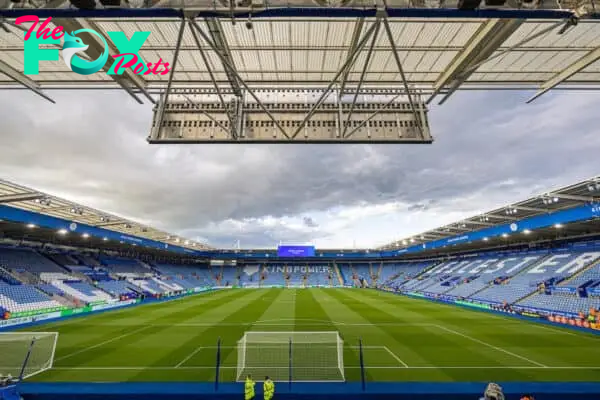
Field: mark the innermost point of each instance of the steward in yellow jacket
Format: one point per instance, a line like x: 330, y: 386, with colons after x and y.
x: 249, y: 388
x: 268, y: 388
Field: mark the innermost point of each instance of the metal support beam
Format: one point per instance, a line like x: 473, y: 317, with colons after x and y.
x: 503, y: 217
x: 165, y: 97
x: 481, y: 47
x: 12, y: 198
x: 362, y: 75
x: 358, y: 27
x: 214, y: 81
x: 228, y: 66
x: 528, y: 208
x: 370, y: 117
x: 213, y: 119
x: 222, y: 48
x: 349, y: 61
x: 418, y: 120
x: 23, y: 80
x: 568, y: 72
x: 470, y: 222
x: 587, y: 199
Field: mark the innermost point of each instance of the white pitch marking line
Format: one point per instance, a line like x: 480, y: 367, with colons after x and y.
x: 189, y: 356
x: 103, y: 343
x: 491, y: 346
x: 396, y: 357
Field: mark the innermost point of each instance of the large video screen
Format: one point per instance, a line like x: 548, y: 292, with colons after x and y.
x: 296, y: 251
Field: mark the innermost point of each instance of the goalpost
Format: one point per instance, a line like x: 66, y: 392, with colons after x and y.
x: 24, y: 354
x: 295, y: 356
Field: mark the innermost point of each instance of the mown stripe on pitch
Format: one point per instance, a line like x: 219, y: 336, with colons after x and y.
x: 93, y: 355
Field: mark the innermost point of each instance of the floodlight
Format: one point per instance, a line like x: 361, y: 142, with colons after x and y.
x: 412, y: 240
x: 555, y: 199
x: 31, y: 226
x: 485, y: 239
x: 105, y: 239
x: 505, y: 235
x: 62, y: 231
x: 526, y: 231
x: 85, y: 235
x: 558, y: 226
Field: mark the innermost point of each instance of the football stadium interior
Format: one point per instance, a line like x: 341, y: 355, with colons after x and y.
x: 510, y: 295
x: 94, y: 305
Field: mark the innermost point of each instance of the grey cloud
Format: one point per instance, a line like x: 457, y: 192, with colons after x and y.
x: 91, y: 147
x: 309, y: 222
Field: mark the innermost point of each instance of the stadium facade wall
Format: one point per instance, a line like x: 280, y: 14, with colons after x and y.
x: 304, y: 391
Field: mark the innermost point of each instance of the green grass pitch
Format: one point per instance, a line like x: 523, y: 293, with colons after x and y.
x: 404, y: 339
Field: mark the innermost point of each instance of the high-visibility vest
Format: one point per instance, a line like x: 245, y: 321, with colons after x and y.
x: 269, y: 389
x: 249, y: 389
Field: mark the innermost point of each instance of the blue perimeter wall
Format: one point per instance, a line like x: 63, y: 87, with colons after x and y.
x: 303, y: 391
x: 313, y: 391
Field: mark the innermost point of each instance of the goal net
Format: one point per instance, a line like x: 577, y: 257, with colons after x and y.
x: 296, y: 356
x: 28, y: 353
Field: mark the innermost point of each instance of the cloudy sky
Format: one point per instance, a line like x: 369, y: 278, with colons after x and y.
x: 490, y: 149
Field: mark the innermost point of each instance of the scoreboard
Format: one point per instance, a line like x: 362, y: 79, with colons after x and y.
x: 296, y: 251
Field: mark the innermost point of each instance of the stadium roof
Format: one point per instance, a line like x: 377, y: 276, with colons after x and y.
x: 440, y: 50
x: 565, y: 198
x: 33, y: 200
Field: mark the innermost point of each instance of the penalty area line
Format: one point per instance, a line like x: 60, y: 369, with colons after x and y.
x: 396, y: 357
x: 192, y: 354
x: 510, y: 353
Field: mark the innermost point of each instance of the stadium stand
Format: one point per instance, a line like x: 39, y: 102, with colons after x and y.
x: 120, y: 288
x: 24, y: 298
x: 563, y: 280
x: 27, y: 260
x: 82, y: 291
x: 125, y: 266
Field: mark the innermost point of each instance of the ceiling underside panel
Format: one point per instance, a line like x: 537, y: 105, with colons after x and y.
x: 306, y: 51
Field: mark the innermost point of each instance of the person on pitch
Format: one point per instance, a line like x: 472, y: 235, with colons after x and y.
x: 249, y: 388
x: 268, y: 388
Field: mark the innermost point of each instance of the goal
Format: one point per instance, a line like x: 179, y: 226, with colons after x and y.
x: 25, y: 354
x: 295, y: 356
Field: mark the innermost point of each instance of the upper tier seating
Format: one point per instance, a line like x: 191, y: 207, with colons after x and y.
x: 27, y: 260
x: 197, y: 276
x: 62, y: 259
x: 124, y: 266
